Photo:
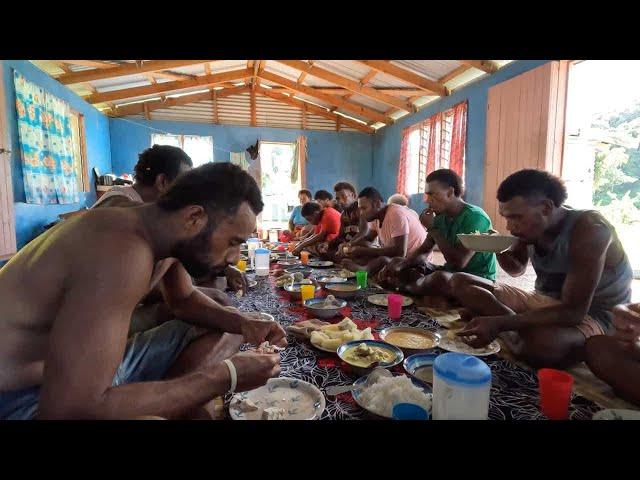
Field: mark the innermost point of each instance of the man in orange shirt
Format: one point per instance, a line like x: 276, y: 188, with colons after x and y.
x: 327, y: 226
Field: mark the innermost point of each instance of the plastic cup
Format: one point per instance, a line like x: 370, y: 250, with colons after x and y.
x: 307, y: 292
x: 409, y: 411
x: 555, y: 393
x: 361, y: 277
x: 304, y: 257
x: 394, y: 306
x: 242, y: 265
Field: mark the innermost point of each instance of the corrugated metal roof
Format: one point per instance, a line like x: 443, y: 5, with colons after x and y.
x: 236, y: 109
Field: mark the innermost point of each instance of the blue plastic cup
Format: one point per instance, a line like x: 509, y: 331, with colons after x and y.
x: 409, y: 411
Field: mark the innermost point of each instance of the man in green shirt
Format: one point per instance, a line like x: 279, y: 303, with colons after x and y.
x: 446, y: 216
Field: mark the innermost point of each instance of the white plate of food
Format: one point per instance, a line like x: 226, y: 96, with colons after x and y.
x: 382, y: 300
x: 280, y: 399
x: 380, y: 397
x: 487, y: 242
x: 289, y: 263
x: 617, y: 414
x: 445, y: 318
x: 451, y: 342
x: 330, y: 337
x: 319, y: 263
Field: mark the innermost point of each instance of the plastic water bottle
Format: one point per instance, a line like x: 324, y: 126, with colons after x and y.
x: 461, y: 386
x: 262, y: 262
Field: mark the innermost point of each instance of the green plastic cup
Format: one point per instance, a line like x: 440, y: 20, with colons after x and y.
x: 361, y: 277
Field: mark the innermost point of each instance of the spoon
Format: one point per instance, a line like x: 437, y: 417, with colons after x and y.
x: 373, y: 377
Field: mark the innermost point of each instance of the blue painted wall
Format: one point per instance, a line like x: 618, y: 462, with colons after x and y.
x: 31, y: 218
x: 332, y: 156
x: 386, y: 144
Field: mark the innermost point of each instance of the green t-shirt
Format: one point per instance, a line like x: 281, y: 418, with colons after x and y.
x: 469, y: 220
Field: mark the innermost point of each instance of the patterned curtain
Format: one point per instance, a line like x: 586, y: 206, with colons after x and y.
x: 403, y: 164
x: 46, y: 144
x: 458, y: 138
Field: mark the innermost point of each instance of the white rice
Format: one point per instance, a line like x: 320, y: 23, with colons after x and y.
x: 389, y: 391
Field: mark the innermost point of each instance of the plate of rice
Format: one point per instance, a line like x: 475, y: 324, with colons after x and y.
x: 379, y: 398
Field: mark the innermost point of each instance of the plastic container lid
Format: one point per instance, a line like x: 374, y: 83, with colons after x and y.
x: 253, y: 239
x: 462, y: 369
x: 261, y: 250
x: 409, y: 411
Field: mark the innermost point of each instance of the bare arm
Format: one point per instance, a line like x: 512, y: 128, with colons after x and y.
x: 590, y: 240
x: 312, y: 240
x: 117, y: 201
x: 422, y: 254
x: 514, y: 261
x: 193, y: 306
x: 456, y: 255
x: 88, y: 339
x: 398, y: 249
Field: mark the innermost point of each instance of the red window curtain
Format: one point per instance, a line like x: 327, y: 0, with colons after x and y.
x: 458, y: 138
x: 403, y: 164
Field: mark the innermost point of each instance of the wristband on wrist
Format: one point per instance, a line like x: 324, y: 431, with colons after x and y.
x: 233, y: 374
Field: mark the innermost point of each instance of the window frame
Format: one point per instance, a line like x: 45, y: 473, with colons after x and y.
x: 84, y: 185
x: 181, y: 137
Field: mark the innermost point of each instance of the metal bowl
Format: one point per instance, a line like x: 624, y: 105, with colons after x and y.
x: 327, y: 279
x: 313, y: 306
x: 419, y: 361
x: 435, y: 337
x: 342, y: 349
x: 260, y: 316
x: 295, y: 290
x: 340, y: 289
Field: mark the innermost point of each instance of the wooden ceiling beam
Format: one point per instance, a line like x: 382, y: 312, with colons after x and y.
x: 454, y: 73
x: 487, y: 66
x: 349, y: 84
x: 203, y: 81
x: 90, y: 63
x: 313, y: 109
x: 426, y: 84
x: 334, y: 101
x: 124, y: 70
x: 142, y: 107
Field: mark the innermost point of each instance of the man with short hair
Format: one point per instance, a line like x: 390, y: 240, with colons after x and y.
x: 64, y: 352
x: 615, y: 359
x: 398, y: 199
x: 327, y: 226
x: 156, y: 169
x: 446, y: 217
x: 398, y: 228
x: 581, y: 268
x: 324, y: 198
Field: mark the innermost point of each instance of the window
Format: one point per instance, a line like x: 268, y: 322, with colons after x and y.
x: 437, y: 142
x: 80, y: 163
x: 199, y: 148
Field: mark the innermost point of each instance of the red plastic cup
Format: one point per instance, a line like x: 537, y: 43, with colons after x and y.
x: 394, y: 305
x: 555, y: 393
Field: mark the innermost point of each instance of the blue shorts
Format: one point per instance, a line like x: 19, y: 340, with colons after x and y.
x: 147, y: 358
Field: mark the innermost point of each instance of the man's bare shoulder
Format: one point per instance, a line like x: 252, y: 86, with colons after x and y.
x: 591, y: 234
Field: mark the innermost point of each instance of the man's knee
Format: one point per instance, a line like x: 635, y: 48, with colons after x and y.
x: 459, y: 284
x: 544, y: 347
x: 600, y: 353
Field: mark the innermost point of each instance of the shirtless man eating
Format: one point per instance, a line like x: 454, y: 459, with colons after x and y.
x: 64, y: 351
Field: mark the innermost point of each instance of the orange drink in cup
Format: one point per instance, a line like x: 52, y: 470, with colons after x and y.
x: 304, y: 257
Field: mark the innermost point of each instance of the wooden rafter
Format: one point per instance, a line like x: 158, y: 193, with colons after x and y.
x: 203, y: 81
x: 343, y: 92
x: 89, y: 63
x: 363, y: 81
x: 312, y: 109
x: 334, y: 101
x: 428, y: 85
x: 454, y: 73
x: 349, y: 84
x: 207, y: 68
x: 124, y: 70
x: 143, y: 107
x: 214, y: 94
x: 254, y: 119
x: 488, y: 66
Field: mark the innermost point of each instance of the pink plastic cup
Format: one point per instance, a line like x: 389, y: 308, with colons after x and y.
x: 394, y: 306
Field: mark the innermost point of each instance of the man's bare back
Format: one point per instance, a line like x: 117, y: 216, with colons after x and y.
x: 29, y: 303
